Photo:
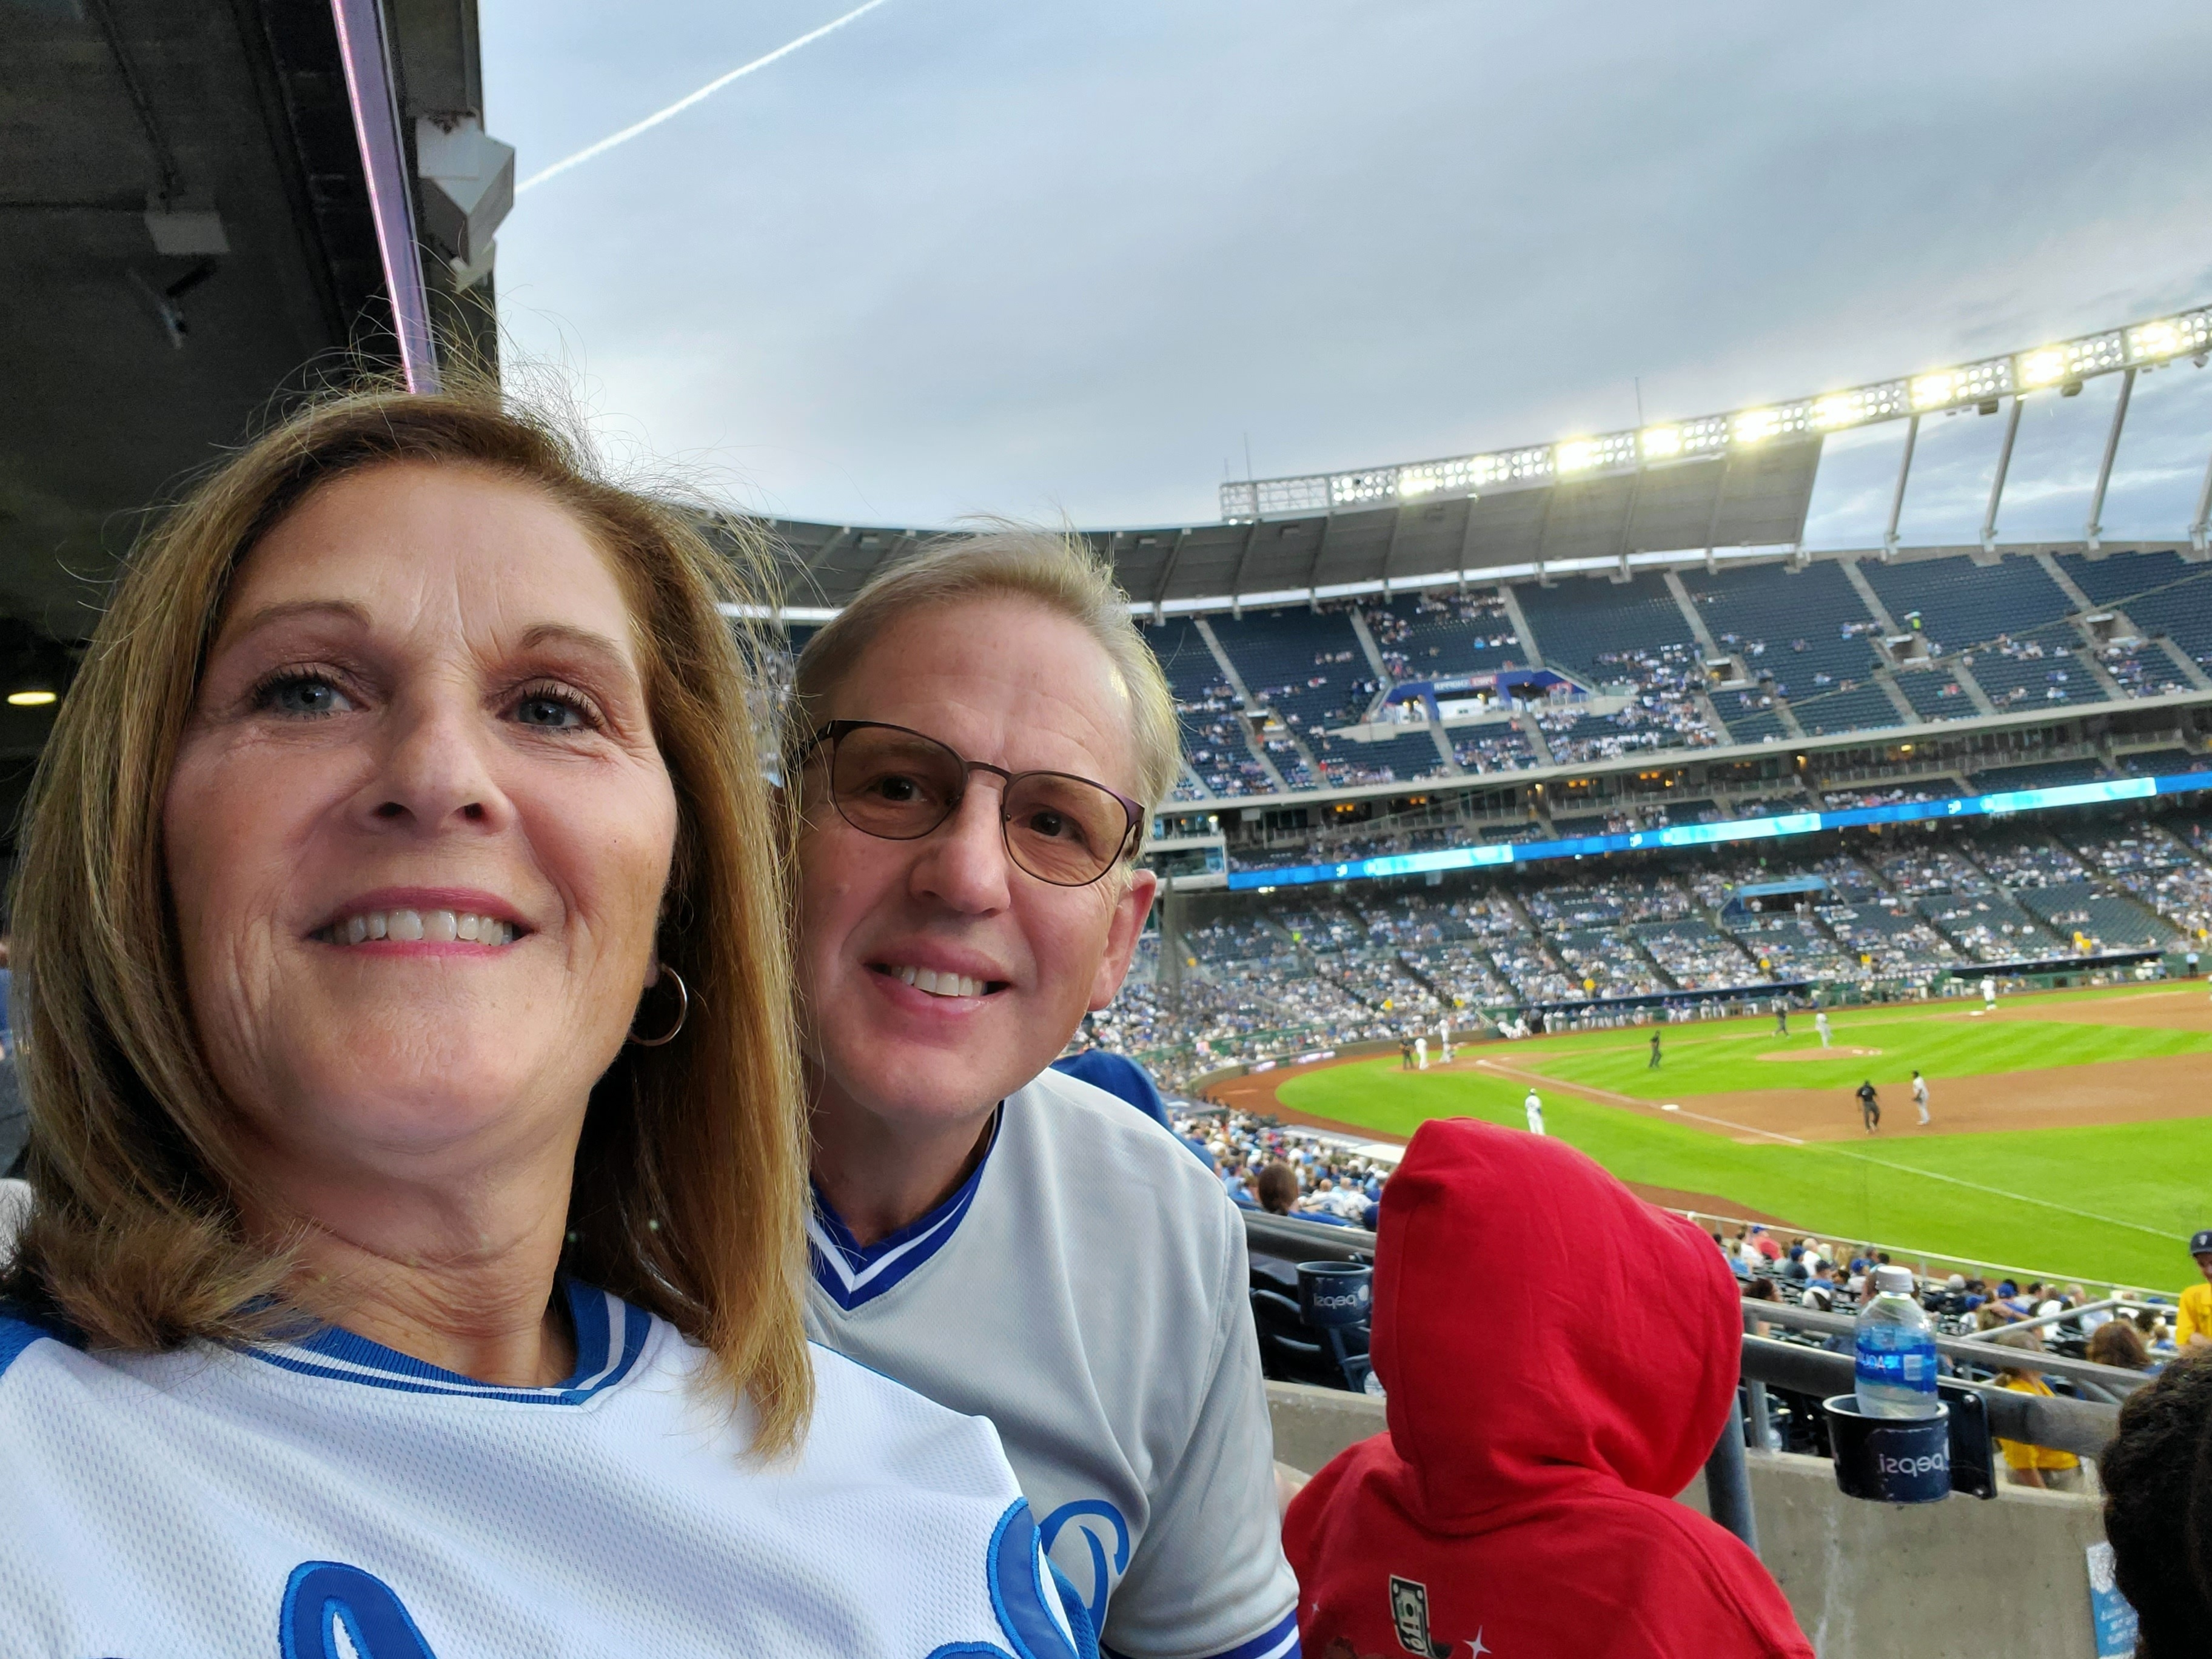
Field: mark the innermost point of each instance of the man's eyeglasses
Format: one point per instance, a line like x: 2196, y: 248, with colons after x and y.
x: 900, y: 785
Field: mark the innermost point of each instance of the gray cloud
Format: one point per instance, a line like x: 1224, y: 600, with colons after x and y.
x: 971, y: 256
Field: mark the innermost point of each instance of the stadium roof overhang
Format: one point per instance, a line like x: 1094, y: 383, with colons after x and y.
x: 1754, y: 499
x: 189, y: 239
x: 1741, y: 480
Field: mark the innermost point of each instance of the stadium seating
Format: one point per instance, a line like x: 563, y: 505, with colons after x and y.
x: 1309, y: 966
x: 1212, y: 730
x: 1805, y: 634
x: 2159, y: 592
x: 2083, y: 911
x: 1426, y: 635
x: 1809, y: 630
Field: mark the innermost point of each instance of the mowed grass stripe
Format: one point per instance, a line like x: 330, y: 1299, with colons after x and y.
x: 2112, y: 1202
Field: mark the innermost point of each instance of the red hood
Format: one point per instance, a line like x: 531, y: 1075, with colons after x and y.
x: 1538, y: 1326
x: 1560, y: 1357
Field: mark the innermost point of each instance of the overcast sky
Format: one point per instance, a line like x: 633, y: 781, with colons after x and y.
x: 1057, y: 258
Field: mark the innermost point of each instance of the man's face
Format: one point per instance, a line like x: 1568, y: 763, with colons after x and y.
x: 1004, y: 680
x: 2204, y: 1264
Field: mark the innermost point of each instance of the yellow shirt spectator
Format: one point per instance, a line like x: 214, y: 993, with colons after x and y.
x: 2196, y: 1319
x: 2018, y: 1454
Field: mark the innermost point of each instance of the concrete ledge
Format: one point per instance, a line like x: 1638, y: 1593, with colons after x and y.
x: 1313, y: 1425
x: 1866, y: 1581
x: 1893, y: 1580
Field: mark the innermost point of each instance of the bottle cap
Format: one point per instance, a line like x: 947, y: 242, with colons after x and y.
x: 1894, y: 1281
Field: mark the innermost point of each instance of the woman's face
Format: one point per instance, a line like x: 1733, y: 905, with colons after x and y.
x: 418, y: 831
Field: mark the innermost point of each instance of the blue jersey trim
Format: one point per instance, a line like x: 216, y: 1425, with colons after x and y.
x: 17, y: 1335
x: 854, y: 1274
x: 609, y: 1339
x: 1279, y: 1641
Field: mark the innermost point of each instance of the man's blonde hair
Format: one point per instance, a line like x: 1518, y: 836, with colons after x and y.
x: 1059, y: 572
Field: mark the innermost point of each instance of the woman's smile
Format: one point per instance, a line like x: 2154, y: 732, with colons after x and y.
x: 473, y: 923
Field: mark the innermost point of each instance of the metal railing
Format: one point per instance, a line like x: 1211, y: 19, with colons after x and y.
x: 2084, y: 1427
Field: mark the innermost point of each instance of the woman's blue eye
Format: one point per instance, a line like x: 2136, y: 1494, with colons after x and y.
x: 306, y: 698
x: 548, y: 713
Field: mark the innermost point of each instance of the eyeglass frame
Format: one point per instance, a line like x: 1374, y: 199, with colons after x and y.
x: 830, y: 732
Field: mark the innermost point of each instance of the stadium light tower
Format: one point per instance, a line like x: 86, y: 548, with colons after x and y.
x: 1980, y: 385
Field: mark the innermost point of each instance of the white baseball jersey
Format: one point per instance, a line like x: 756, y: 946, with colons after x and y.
x: 334, y: 1499
x: 1086, y: 1289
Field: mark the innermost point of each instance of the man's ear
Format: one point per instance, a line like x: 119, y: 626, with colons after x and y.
x: 1123, y: 933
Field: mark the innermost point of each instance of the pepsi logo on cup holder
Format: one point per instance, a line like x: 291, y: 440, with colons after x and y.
x: 1890, y: 1460
x: 1335, y: 1293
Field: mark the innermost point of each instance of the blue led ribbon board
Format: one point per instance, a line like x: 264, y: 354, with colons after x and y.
x: 1707, y: 835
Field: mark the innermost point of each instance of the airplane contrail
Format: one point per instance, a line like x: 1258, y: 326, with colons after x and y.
x: 683, y: 104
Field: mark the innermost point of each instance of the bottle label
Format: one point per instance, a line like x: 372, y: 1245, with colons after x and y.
x: 1902, y: 1367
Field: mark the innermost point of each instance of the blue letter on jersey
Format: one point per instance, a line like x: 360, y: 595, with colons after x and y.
x: 1029, y: 1614
x: 324, y: 1595
x: 1102, y: 1578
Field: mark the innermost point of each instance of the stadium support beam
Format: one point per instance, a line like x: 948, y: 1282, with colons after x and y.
x: 1720, y: 500
x: 1389, y: 552
x: 1897, y: 498
x: 1243, y: 557
x: 1998, y: 483
x: 2095, y: 528
x: 1320, y: 546
x: 2201, y: 528
x: 1167, y: 574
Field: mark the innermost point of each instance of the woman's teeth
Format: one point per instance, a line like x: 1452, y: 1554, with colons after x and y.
x: 941, y: 985
x: 438, y: 927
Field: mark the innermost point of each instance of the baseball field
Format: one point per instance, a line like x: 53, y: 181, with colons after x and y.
x: 2070, y: 1132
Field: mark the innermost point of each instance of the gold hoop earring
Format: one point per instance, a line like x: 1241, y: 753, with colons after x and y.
x: 683, y: 1013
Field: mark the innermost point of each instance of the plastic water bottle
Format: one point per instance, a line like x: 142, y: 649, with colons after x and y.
x: 1896, y: 1365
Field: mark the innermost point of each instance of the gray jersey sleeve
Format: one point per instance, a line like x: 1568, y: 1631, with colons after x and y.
x: 1208, y: 1577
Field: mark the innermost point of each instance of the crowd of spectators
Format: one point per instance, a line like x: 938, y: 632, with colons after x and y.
x: 1318, y: 966
x: 1265, y: 1165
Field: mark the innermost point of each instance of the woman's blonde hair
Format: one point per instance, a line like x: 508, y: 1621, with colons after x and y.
x: 1056, y: 572
x: 690, y: 1188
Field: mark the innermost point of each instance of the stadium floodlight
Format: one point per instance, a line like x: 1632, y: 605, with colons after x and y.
x: 1614, y: 449
x: 2170, y: 336
x: 1973, y: 384
x: 1756, y: 426
x: 1932, y: 391
x: 1977, y: 383
x: 2098, y: 355
x: 1859, y: 405
x: 1702, y: 437
x: 2041, y: 368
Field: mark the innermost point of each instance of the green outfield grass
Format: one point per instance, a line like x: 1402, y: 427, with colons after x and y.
x: 1941, y: 1040
x: 2112, y: 1202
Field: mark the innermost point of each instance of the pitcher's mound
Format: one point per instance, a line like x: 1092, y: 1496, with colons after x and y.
x: 1841, y: 1051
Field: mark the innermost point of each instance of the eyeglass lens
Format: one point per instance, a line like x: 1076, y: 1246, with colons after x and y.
x: 901, y: 785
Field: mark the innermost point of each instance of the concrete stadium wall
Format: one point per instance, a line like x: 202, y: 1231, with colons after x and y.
x: 1962, y: 1579
x: 1866, y: 1581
